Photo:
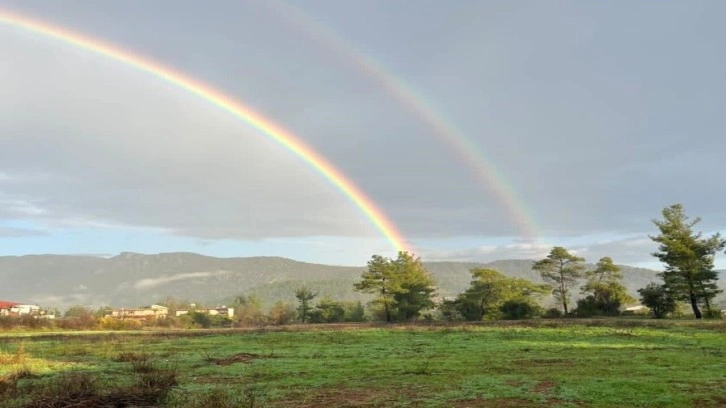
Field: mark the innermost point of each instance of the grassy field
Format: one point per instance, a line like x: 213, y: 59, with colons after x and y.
x: 564, y: 363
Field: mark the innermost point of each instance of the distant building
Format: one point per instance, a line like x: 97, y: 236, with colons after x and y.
x: 146, y: 312
x: 24, y: 310
x: 217, y: 311
x: 5, y: 307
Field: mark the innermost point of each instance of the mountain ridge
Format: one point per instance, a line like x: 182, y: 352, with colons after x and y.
x: 132, y: 279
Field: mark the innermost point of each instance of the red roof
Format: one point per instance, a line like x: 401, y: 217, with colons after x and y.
x: 7, y: 305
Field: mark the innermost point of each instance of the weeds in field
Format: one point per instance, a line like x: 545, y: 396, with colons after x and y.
x: 603, y: 363
x: 251, y: 396
x: 82, y: 389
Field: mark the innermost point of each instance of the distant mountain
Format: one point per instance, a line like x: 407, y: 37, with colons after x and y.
x: 132, y: 279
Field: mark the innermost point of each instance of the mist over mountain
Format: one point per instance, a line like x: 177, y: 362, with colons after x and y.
x: 133, y: 279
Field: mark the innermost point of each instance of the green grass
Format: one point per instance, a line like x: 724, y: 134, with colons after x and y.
x: 540, y: 363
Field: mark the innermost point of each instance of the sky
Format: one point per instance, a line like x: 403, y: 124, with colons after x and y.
x: 482, y: 130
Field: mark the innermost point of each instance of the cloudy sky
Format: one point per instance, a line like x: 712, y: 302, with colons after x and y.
x: 483, y: 130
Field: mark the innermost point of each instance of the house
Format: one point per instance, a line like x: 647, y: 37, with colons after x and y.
x: 217, y: 311
x: 18, y: 309
x: 24, y: 310
x: 146, y: 312
x: 5, y: 307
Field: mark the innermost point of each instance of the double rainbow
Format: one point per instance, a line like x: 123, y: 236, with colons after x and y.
x: 225, y: 102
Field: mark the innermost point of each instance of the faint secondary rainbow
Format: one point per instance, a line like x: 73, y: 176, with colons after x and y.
x: 417, y: 104
x: 225, y: 102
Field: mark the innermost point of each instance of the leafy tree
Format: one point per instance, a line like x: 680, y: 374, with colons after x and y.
x: 282, y: 313
x: 489, y: 289
x: 328, y: 311
x: 201, y: 319
x: 562, y: 270
x: 658, y: 299
x: 415, y: 286
x: 332, y: 311
x: 402, y: 286
x: 378, y: 279
x: 605, y: 271
x: 248, y: 310
x: 605, y: 293
x: 355, y: 312
x: 449, y: 310
x: 604, y: 298
x: 485, y: 292
x: 689, y: 274
x: 304, y: 295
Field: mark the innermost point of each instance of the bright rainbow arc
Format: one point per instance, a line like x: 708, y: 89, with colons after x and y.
x: 224, y: 102
x: 476, y: 159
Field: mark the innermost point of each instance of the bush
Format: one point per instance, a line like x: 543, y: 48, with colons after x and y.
x: 659, y: 299
x: 282, y: 313
x: 553, y: 313
x: 112, y: 323
x: 592, y: 306
x: 712, y: 314
x: 518, y: 309
x: 28, y: 322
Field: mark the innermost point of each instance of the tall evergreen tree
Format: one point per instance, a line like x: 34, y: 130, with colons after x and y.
x: 304, y: 296
x: 689, y: 274
x: 402, y: 286
x: 562, y: 270
x: 378, y: 279
x: 605, y: 270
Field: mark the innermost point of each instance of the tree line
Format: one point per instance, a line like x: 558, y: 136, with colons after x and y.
x: 402, y: 290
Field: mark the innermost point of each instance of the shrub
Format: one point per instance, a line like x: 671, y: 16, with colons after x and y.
x: 112, y: 323
x: 553, y: 313
x: 712, y: 314
x: 518, y: 309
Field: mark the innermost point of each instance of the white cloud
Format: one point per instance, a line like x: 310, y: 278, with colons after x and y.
x: 488, y: 253
x: 151, y: 282
x: 118, y: 149
x: 124, y: 150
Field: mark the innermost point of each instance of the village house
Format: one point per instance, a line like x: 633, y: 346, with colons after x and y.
x: 5, y: 307
x: 18, y: 309
x: 146, y: 312
x: 22, y: 310
x: 217, y: 311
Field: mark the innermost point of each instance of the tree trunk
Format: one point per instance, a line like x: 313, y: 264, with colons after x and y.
x: 694, y: 305
x: 564, y: 305
x: 707, y: 303
x: 388, y: 312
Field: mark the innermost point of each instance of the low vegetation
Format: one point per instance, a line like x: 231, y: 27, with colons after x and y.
x: 560, y: 363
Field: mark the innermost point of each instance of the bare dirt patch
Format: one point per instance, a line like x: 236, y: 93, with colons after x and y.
x: 245, y: 358
x: 512, y: 403
x: 714, y: 402
x: 546, y: 362
x: 496, y: 402
x: 344, y: 397
x: 544, y: 387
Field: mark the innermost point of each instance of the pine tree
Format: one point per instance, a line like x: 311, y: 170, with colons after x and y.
x: 562, y: 270
x: 689, y: 274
